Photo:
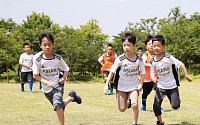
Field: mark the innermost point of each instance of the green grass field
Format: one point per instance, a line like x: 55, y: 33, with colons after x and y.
x: 17, y: 108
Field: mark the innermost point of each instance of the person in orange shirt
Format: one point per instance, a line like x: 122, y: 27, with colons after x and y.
x: 107, y: 60
x: 148, y: 84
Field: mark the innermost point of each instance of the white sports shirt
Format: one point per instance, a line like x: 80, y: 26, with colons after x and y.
x: 128, y: 74
x: 26, y: 59
x: 166, y: 78
x: 48, y: 69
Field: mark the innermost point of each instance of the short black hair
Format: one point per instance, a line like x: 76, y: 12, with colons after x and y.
x: 25, y: 45
x: 130, y: 37
x: 47, y: 35
x: 159, y: 38
x: 149, y: 37
x: 110, y: 45
x: 140, y: 48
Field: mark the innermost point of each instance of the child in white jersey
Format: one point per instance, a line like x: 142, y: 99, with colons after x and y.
x: 26, y: 61
x: 128, y: 82
x: 46, y: 67
x: 167, y: 81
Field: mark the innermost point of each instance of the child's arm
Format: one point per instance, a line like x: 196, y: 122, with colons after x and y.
x: 27, y: 66
x: 101, y: 62
x: 141, y: 82
x: 185, y: 72
x: 40, y: 79
x: 107, y: 82
x: 154, y: 79
x: 62, y: 80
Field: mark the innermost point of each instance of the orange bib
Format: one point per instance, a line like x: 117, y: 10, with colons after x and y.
x: 108, y: 62
x: 148, y: 69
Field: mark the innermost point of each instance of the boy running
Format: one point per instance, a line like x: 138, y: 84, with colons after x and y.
x: 107, y: 60
x: 129, y: 85
x: 46, y: 67
x: 148, y: 84
x: 26, y: 61
x: 167, y: 81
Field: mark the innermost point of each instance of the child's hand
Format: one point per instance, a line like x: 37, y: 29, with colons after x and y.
x: 51, y: 84
x: 106, y: 89
x: 140, y: 87
x: 61, y: 80
x: 30, y: 68
x: 189, y: 79
x: 154, y: 80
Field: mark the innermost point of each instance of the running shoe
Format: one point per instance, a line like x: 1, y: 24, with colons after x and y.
x: 143, y: 107
x: 77, y: 98
x: 22, y: 89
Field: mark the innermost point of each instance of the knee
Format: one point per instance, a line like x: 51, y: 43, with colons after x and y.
x: 134, y: 106
x: 176, y: 107
x: 122, y: 110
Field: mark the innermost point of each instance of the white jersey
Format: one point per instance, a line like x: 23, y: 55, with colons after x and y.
x: 165, y: 69
x: 128, y: 74
x: 26, y: 59
x: 48, y: 69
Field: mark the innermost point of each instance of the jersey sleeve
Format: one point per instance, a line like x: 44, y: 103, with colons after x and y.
x: 116, y: 64
x: 153, y: 68
x: 144, y: 57
x: 175, y: 61
x: 142, y: 67
x: 21, y: 59
x: 115, y: 55
x: 100, y: 58
x: 63, y: 66
x: 35, y: 66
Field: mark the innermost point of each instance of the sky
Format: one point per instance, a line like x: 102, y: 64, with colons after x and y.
x: 112, y: 15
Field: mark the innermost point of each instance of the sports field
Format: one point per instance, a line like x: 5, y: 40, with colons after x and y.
x: 17, y: 108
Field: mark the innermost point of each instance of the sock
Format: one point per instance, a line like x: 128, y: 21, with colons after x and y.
x: 30, y: 85
x: 22, y: 85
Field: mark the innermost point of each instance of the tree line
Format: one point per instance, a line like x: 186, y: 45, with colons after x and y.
x: 81, y: 48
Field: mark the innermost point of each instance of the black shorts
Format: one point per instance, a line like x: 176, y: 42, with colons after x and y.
x: 27, y: 75
x: 56, y: 97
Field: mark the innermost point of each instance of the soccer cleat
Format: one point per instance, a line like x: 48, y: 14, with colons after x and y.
x: 110, y: 92
x: 77, y: 99
x: 162, y: 110
x: 143, y: 107
x: 30, y: 91
x: 158, y: 123
x: 22, y: 89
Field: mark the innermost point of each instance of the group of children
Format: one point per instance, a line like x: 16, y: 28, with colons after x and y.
x: 157, y: 70
x: 159, y: 67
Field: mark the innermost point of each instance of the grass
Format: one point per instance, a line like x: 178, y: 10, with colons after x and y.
x: 18, y: 108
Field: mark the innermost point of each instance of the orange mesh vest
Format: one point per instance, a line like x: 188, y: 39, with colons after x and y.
x: 108, y: 62
x: 148, y: 69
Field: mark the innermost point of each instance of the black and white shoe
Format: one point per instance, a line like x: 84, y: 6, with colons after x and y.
x: 77, y: 98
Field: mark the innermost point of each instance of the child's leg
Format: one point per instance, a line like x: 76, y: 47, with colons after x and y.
x: 23, y: 79
x: 159, y: 96
x: 67, y: 100
x: 122, y: 98
x: 147, y: 88
x: 134, y: 105
x: 30, y: 80
x: 60, y: 114
x: 173, y: 96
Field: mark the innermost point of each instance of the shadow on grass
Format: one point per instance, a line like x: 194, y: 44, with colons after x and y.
x: 169, y: 110
x: 183, y: 123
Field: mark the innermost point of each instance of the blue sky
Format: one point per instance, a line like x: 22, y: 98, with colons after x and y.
x: 112, y: 15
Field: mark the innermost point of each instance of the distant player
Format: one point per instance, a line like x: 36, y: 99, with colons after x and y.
x: 46, y: 67
x: 167, y: 81
x: 26, y: 61
x: 107, y: 60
